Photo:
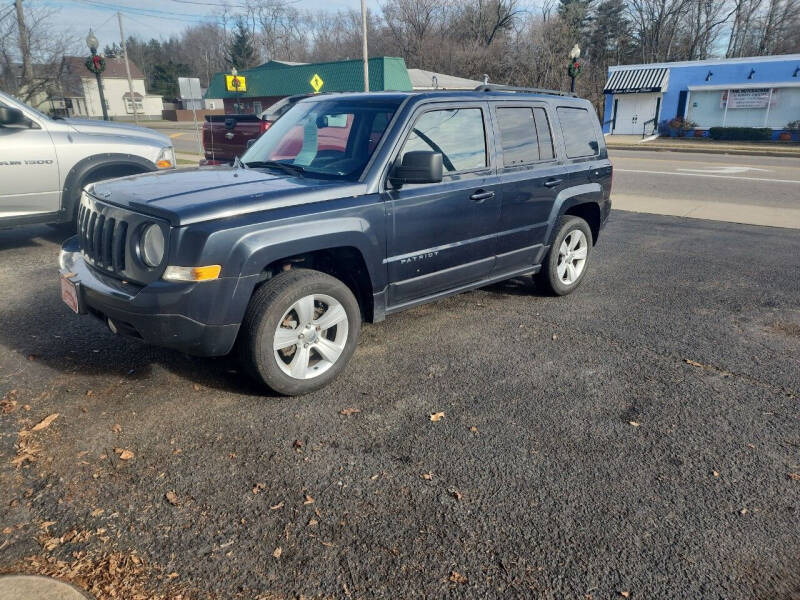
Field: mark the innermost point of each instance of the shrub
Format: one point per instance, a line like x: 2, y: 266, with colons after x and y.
x: 679, y: 124
x: 741, y: 133
x: 793, y: 126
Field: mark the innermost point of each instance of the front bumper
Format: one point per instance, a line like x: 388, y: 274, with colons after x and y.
x: 197, y: 318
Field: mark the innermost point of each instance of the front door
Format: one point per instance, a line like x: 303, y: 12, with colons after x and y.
x: 634, y: 113
x: 442, y: 235
x: 28, y: 171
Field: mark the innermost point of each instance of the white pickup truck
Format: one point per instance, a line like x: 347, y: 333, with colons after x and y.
x: 45, y: 162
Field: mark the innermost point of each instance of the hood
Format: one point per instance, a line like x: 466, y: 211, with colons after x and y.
x: 94, y: 127
x: 199, y: 194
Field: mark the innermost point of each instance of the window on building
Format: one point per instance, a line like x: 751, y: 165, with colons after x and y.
x: 457, y: 133
x: 579, y: 132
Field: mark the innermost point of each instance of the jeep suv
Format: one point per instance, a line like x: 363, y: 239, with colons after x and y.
x: 351, y: 207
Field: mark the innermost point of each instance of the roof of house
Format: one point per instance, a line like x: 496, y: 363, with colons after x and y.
x: 115, y: 67
x: 423, y: 80
x: 276, y: 79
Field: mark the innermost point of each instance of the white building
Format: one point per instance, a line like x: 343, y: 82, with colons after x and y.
x: 82, y: 98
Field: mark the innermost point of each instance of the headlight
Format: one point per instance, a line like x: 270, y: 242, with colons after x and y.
x: 166, y: 158
x: 151, y: 245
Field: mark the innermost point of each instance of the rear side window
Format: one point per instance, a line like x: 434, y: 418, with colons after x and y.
x: 457, y: 133
x: 518, y: 136
x: 525, y: 135
x: 579, y: 131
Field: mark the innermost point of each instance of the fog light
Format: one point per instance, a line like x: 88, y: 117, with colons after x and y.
x: 192, y: 273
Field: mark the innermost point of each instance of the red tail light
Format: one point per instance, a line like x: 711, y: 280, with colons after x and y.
x: 264, y: 126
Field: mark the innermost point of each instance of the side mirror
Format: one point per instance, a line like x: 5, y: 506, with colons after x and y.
x: 11, y: 116
x: 418, y: 166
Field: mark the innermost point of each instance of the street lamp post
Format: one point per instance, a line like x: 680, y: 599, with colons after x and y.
x: 574, y: 66
x: 235, y: 72
x: 92, y: 42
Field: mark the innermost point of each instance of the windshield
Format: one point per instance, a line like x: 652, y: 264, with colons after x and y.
x: 332, y: 138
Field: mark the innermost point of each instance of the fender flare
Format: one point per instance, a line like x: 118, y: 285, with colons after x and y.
x: 76, y: 178
x: 569, y: 197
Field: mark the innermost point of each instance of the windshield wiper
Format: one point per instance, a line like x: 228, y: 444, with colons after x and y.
x: 237, y: 162
x: 286, y: 168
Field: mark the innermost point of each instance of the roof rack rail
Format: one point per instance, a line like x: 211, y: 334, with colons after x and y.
x: 493, y: 87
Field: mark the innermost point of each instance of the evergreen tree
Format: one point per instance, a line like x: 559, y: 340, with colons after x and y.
x: 241, y: 52
x: 164, y: 78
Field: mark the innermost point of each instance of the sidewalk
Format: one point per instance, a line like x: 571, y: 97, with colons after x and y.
x: 703, y: 145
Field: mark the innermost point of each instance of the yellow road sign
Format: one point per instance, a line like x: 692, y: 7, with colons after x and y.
x: 316, y: 83
x: 236, y: 83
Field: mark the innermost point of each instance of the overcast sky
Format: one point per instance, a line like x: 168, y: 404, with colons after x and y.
x: 154, y: 18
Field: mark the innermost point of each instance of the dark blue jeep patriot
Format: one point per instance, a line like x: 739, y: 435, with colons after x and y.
x: 350, y: 207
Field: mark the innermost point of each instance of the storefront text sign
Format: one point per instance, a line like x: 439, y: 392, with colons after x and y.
x: 748, y: 98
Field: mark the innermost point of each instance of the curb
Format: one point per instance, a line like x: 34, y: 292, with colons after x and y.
x: 740, y: 151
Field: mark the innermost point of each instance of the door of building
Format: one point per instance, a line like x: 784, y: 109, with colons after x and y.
x: 634, y: 111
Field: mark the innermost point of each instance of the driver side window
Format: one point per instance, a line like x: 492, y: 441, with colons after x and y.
x: 457, y: 133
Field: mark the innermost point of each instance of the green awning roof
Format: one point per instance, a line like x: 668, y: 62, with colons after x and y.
x: 273, y: 79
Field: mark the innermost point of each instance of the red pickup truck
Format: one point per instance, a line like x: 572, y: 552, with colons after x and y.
x: 227, y: 136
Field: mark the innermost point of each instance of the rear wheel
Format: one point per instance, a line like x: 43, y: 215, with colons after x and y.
x: 568, y: 258
x: 300, y: 330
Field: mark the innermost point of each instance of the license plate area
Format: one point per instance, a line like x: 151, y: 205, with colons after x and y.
x: 70, y: 294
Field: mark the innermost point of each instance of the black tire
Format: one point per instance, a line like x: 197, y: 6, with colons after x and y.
x: 548, y: 278
x: 269, y: 304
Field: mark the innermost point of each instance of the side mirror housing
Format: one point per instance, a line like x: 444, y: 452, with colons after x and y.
x: 11, y: 116
x: 418, y: 166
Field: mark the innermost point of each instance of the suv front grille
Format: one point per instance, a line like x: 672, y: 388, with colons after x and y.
x: 102, y: 239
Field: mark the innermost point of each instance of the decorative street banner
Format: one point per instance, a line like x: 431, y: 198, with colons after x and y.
x: 236, y: 83
x: 748, y: 98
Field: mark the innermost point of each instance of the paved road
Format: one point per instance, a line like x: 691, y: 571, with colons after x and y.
x: 580, y: 455
x: 744, y: 189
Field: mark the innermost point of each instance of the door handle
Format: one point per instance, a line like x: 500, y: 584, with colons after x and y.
x: 481, y: 195
x: 552, y: 182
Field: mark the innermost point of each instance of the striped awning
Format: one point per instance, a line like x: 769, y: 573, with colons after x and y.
x: 630, y: 81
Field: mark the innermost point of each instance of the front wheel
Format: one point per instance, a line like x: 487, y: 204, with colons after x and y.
x: 300, y: 330
x: 566, y: 262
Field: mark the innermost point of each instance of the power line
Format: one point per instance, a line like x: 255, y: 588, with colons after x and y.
x: 146, y: 12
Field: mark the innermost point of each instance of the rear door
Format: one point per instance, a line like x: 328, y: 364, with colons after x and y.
x: 531, y: 178
x: 442, y: 235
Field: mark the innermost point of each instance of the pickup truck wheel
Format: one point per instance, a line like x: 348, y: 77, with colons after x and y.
x: 568, y: 258
x: 300, y: 330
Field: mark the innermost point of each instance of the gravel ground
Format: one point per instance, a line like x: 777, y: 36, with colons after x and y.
x: 638, y: 439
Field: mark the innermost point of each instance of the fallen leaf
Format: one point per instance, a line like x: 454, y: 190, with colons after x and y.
x: 172, y: 497
x: 308, y: 499
x: 349, y: 411
x: 374, y: 477
x: 795, y: 476
x: 716, y: 473
x: 124, y: 454
x: 277, y: 506
x: 297, y: 445
x: 312, y: 523
x: 473, y: 429
x: 694, y: 363
x: 97, y: 512
x: 277, y: 552
x: 196, y: 387
x: 457, y: 577
x: 116, y: 428
x: 46, y: 525
x: 89, y: 393
x: 455, y: 493
x: 8, y: 530
x: 437, y: 416
x: 258, y: 487
x: 44, y: 423
x: 744, y: 511
x: 555, y: 336
x: 634, y: 423
x: 427, y: 476
x: 172, y: 575
x: 625, y: 594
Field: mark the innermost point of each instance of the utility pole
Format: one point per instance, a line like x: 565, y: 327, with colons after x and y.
x: 24, y: 44
x: 364, y: 44
x: 127, y: 69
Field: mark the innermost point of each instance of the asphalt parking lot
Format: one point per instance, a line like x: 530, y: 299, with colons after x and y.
x: 637, y: 439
